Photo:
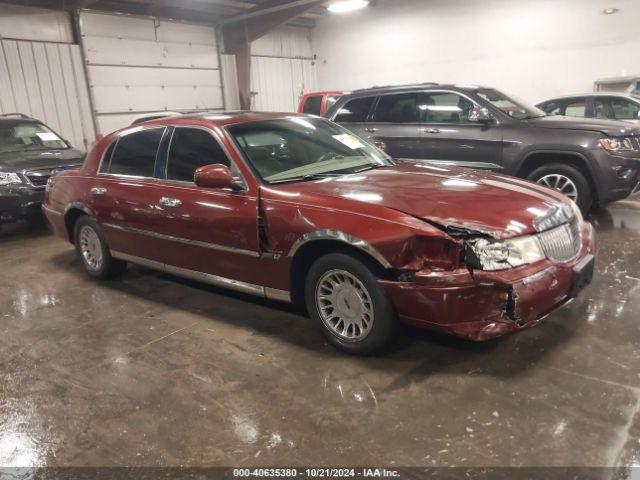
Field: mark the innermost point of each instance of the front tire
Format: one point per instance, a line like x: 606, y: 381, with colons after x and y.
x: 568, y: 180
x: 93, y: 250
x: 343, y: 296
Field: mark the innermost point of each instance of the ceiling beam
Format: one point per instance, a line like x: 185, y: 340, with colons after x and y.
x: 262, y: 10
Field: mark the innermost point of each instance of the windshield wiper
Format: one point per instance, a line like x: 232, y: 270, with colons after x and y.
x: 306, y: 178
x: 370, y: 167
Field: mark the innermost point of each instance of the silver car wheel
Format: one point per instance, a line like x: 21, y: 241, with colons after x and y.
x: 90, y: 247
x: 561, y: 183
x: 345, y: 305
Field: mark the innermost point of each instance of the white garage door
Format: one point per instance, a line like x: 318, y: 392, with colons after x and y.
x: 142, y: 65
x: 46, y: 80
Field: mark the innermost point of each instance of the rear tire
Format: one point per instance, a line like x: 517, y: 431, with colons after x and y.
x: 343, y: 296
x: 93, y: 250
x: 568, y: 180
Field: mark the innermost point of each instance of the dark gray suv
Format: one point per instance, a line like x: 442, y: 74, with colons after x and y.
x: 30, y: 152
x: 589, y: 160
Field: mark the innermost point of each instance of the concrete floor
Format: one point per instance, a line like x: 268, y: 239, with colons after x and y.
x: 153, y: 370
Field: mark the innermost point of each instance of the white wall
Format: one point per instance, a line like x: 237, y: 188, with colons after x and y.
x: 532, y: 48
x: 27, y: 23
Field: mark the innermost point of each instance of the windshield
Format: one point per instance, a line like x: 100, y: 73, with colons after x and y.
x: 302, y: 148
x: 514, y: 108
x: 21, y: 136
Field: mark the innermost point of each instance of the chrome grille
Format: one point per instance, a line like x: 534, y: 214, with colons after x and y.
x: 39, y: 178
x: 562, y: 244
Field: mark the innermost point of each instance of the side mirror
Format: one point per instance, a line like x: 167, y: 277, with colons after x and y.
x: 215, y: 176
x: 480, y: 115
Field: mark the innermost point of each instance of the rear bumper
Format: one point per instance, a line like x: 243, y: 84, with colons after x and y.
x: 19, y: 202
x: 483, y: 305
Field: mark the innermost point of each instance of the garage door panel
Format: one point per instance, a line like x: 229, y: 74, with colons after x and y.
x: 121, y: 51
x: 57, y: 83
x: 141, y: 65
x: 129, y: 27
x: 144, y: 99
x: 279, y: 82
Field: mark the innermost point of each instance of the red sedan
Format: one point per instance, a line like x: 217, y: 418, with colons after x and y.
x: 295, y: 208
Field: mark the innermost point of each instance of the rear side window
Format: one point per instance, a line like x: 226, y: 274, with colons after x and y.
x: 616, y: 108
x: 331, y: 100
x: 400, y: 108
x: 313, y: 105
x: 355, y: 110
x: 190, y: 149
x: 445, y: 107
x: 135, y: 153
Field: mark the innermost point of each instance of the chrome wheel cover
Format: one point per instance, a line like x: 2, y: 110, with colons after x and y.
x: 90, y: 247
x: 561, y: 183
x: 344, y: 305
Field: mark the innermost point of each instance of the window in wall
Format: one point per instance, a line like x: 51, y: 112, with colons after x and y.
x: 444, y: 107
x: 190, y: 149
x: 135, y: 153
x: 355, y: 111
x: 398, y: 108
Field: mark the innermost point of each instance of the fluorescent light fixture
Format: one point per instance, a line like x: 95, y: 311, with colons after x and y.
x: 610, y: 11
x: 344, y: 6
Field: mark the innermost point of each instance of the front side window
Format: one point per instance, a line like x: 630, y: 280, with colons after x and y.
x: 355, y: 111
x: 299, y: 149
x: 135, y: 153
x: 616, y: 109
x: 445, y: 107
x: 313, y: 105
x: 576, y: 107
x: 190, y: 149
x: 397, y: 108
x: 20, y: 136
x: 509, y: 105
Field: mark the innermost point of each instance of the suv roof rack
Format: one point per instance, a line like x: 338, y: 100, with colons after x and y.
x: 16, y: 114
x: 407, y: 85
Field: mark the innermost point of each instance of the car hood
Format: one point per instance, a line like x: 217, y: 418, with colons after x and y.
x: 612, y: 128
x: 454, y: 198
x: 37, y: 159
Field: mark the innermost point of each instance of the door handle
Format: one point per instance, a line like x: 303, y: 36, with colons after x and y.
x: 371, y: 129
x: 170, y: 202
x: 98, y: 191
x: 431, y: 130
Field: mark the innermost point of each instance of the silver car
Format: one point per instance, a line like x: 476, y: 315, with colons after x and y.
x: 613, y: 106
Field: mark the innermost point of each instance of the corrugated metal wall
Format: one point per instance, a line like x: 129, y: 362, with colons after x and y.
x: 47, y: 81
x: 278, y: 83
x: 139, y: 65
x: 282, y: 68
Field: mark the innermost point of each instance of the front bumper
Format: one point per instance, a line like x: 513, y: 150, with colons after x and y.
x: 480, y: 305
x: 619, y: 176
x: 19, y: 202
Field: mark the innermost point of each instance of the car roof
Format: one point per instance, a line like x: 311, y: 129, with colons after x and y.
x: 593, y: 94
x: 218, y: 118
x: 378, y: 89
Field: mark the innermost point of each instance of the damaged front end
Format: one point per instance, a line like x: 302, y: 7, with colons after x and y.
x: 501, y: 285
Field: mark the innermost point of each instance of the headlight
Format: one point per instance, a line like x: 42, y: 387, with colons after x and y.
x: 9, y: 178
x: 618, y: 144
x: 503, y: 254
